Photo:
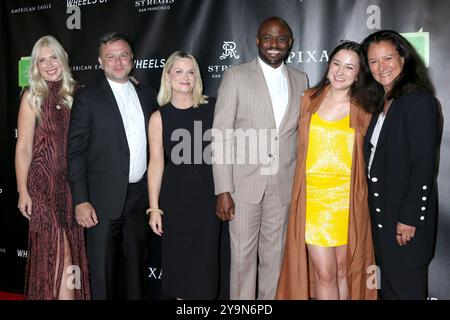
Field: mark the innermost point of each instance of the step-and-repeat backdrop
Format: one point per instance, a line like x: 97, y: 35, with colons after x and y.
x: 220, y: 33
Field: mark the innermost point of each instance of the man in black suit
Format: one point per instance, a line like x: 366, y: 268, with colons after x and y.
x: 107, y: 161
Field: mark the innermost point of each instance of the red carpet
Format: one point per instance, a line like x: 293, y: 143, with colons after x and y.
x: 10, y: 296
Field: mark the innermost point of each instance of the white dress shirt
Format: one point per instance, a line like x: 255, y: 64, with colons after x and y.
x: 374, y: 139
x: 277, y: 84
x: 134, y: 124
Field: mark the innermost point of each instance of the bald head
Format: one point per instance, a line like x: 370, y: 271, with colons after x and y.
x: 274, y: 41
x: 276, y: 20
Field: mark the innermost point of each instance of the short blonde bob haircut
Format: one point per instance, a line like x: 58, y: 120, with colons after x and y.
x: 165, y: 92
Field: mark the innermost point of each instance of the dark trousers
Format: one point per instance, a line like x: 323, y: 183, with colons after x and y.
x: 117, y: 250
x: 224, y: 260
x: 406, y: 285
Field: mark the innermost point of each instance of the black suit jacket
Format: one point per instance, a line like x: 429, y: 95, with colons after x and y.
x: 98, y: 153
x: 402, y: 183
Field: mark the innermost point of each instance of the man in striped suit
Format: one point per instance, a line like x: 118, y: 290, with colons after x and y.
x: 259, y: 102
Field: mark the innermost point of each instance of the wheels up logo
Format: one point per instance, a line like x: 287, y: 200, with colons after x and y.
x: 73, y: 21
x: 21, y: 253
x: 79, y: 3
x: 421, y: 42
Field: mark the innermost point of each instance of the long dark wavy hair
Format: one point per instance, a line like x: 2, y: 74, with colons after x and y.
x: 413, y: 77
x: 357, y: 92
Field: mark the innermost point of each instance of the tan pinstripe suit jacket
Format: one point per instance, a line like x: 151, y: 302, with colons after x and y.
x: 244, y: 104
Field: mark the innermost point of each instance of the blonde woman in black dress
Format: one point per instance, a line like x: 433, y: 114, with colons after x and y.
x: 181, y: 189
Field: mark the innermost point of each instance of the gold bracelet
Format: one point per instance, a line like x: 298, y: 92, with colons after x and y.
x: 155, y: 210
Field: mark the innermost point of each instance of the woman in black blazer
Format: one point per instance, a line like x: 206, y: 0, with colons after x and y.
x: 401, y: 154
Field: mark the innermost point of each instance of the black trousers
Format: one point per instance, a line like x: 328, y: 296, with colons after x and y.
x: 406, y: 285
x: 117, y: 250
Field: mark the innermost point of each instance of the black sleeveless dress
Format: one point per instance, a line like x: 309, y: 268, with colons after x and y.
x: 191, y: 239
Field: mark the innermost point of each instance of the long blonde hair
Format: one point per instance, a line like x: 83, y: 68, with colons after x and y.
x: 38, y: 87
x: 165, y: 92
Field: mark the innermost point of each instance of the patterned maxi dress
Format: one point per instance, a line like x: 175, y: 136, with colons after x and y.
x: 52, y: 210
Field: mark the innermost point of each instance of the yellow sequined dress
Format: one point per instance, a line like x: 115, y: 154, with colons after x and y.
x: 328, y: 170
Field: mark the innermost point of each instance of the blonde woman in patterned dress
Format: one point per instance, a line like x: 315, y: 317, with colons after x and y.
x: 57, y: 264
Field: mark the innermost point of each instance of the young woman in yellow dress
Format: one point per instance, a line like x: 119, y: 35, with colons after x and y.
x: 329, y: 244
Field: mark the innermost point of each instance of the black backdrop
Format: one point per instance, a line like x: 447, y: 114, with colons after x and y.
x: 219, y: 33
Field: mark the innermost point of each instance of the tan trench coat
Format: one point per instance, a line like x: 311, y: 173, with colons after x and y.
x: 297, y: 278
